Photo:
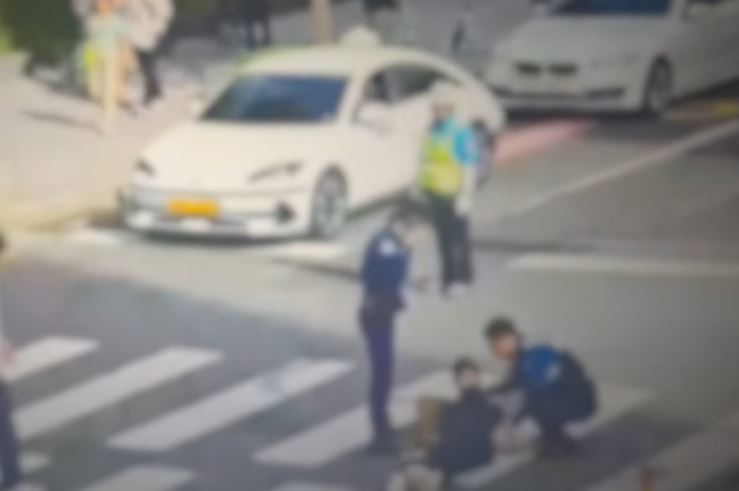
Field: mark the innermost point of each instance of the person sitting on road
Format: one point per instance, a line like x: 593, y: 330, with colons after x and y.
x: 466, y: 433
x: 464, y: 438
x: 557, y: 391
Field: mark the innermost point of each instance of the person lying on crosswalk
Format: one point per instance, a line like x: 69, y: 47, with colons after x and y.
x: 556, y: 389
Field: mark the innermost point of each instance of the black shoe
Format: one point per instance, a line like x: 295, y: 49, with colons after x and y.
x: 558, y: 448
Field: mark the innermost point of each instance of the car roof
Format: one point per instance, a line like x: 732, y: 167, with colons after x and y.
x: 330, y: 60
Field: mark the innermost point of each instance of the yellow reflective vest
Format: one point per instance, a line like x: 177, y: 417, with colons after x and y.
x: 441, y: 174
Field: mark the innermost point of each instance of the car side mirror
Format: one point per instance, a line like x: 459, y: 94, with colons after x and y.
x: 697, y: 10
x: 374, y: 115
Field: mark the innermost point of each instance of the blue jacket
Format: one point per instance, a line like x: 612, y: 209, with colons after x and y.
x: 545, y: 373
x: 385, y: 271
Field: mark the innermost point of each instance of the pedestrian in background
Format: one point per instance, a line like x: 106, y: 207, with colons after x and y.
x: 9, y: 447
x: 448, y: 179
x: 257, y: 15
x: 147, y: 21
x: 390, y: 20
x: 106, y: 56
x: 555, y: 387
x: 385, y: 272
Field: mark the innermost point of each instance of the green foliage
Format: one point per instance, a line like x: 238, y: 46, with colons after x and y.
x: 44, y: 28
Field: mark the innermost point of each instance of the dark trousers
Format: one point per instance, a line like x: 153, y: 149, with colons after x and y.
x: 453, y: 236
x: 378, y: 329
x: 257, y: 16
x: 552, y: 412
x: 148, y: 64
x: 9, y: 453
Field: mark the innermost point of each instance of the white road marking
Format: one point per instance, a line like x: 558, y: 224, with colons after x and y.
x: 660, y: 156
x: 46, y: 353
x: 229, y: 406
x: 298, y: 486
x: 33, y: 462
x: 311, y: 251
x: 326, y: 442
x: 89, y: 235
x: 144, y: 478
x: 567, y: 263
x: 109, y: 389
x: 615, y: 401
x: 686, y: 464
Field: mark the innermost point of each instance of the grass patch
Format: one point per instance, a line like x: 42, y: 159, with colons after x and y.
x: 5, y: 45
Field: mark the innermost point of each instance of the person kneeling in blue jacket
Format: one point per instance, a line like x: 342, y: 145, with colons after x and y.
x: 557, y: 391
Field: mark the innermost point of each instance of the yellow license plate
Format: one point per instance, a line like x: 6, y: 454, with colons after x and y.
x: 194, y: 208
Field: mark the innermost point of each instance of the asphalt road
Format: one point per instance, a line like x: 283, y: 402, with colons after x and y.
x: 620, y: 242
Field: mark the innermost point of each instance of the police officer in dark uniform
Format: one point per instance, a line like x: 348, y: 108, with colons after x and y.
x: 556, y: 388
x: 384, y: 274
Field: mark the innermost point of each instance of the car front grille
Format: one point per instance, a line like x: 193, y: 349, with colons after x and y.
x: 563, y: 69
x: 533, y: 69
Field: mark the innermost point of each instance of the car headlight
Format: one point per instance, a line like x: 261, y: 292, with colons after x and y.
x: 287, y: 169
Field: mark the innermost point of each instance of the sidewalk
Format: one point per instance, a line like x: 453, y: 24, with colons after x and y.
x: 54, y: 166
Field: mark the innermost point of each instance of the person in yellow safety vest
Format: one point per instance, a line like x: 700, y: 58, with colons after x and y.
x: 447, y: 178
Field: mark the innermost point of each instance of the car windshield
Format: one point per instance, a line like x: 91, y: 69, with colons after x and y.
x: 279, y: 99
x: 614, y: 7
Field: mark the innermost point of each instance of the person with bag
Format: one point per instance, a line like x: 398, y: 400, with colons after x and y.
x: 12, y: 474
x: 447, y: 179
x: 556, y: 389
x: 105, y: 58
x: 147, y: 21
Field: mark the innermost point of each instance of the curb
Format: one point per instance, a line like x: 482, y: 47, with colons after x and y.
x: 54, y: 213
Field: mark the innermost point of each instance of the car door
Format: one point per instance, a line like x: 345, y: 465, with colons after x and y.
x: 373, y: 142
x: 699, y: 48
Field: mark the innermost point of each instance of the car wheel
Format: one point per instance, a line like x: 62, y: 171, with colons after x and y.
x: 330, y: 206
x: 658, y: 89
x: 486, y: 144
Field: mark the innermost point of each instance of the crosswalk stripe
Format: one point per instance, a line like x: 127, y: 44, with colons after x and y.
x: 46, y: 353
x: 615, y: 401
x: 323, y: 443
x: 299, y: 486
x: 686, y: 464
x: 33, y: 462
x: 144, y: 478
x: 233, y: 404
x: 109, y: 389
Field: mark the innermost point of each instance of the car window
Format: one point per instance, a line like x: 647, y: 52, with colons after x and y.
x: 411, y: 81
x: 377, y: 89
x: 279, y: 99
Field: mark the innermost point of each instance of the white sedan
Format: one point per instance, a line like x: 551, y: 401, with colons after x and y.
x: 297, y: 140
x: 633, y: 55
